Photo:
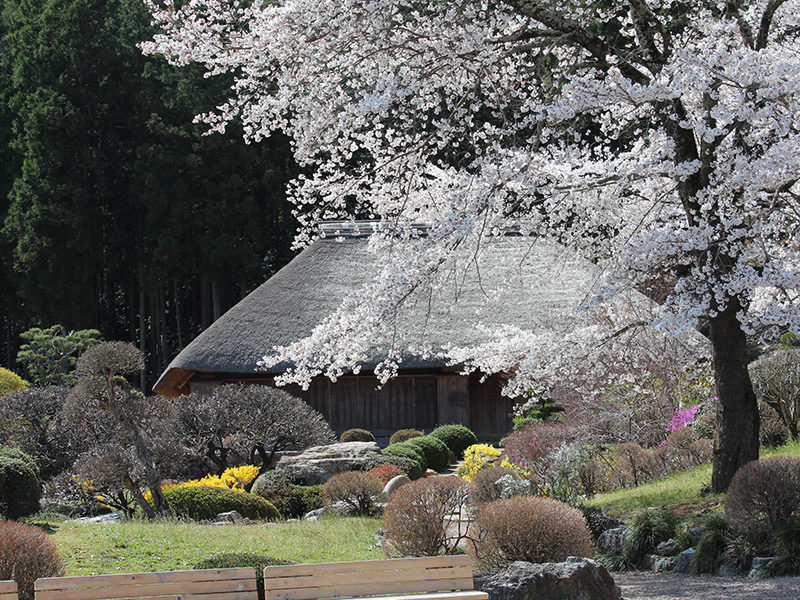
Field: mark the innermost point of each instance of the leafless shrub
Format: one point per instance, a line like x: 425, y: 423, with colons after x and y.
x: 633, y: 465
x: 424, y: 518
x: 772, y: 431
x: 528, y: 528
x: 701, y: 451
x: 27, y: 554
x: 776, y: 381
x: 484, y: 487
x: 254, y: 421
x: 357, y: 489
x: 762, y: 495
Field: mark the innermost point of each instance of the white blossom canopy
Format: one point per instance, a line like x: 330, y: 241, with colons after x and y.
x: 658, y: 138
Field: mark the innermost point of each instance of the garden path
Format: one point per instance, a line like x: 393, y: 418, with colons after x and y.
x: 650, y: 586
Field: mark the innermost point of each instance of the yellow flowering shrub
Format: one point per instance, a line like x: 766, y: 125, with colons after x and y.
x: 477, y: 457
x: 10, y: 382
x: 519, y: 470
x: 235, y: 478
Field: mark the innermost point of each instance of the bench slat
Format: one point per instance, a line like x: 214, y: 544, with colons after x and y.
x: 224, y: 596
x: 364, y: 566
x: 8, y: 590
x: 462, y: 595
x: 96, y: 581
x: 182, y: 588
x: 346, y: 579
x: 372, y: 587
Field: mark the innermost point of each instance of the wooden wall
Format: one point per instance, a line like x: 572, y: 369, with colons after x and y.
x: 419, y: 401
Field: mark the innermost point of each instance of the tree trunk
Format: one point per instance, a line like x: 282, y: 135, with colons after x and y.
x: 737, y: 420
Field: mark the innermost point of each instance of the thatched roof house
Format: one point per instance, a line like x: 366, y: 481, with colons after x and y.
x: 543, y: 282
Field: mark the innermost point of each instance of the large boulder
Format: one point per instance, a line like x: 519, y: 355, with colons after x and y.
x: 611, y: 540
x: 574, y: 579
x: 314, y: 466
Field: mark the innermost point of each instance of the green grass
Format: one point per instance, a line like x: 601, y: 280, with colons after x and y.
x: 138, y: 546
x: 681, y: 492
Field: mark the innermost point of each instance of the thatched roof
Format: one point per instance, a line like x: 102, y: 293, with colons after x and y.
x: 543, y: 283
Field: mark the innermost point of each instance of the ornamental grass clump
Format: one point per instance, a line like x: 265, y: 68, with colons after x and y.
x: 27, y: 554
x: 417, y: 516
x: 647, y: 529
x: 360, y: 491
x: 528, y: 528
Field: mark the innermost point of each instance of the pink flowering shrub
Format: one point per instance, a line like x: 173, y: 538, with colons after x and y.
x: 682, y: 418
x: 530, y: 446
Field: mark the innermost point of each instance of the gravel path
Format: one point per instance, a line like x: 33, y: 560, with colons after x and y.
x: 645, y: 586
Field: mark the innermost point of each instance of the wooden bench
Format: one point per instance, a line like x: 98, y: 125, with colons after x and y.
x: 430, y: 578
x: 8, y: 590
x: 210, y: 584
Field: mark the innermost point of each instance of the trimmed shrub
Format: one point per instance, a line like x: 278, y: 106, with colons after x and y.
x: 411, y: 453
x: 280, y: 479
x: 456, y: 437
x: 10, y: 382
x: 434, y: 450
x: 528, y: 528
x: 201, y: 503
x: 647, y: 529
x: 762, y: 496
x: 20, y: 486
x: 416, y: 517
x: 357, y: 489
x: 406, y: 465
x: 357, y: 435
x: 27, y: 554
x: 295, y: 501
x: 398, y: 437
x: 772, y: 432
x: 386, y: 472
x: 633, y: 465
x: 232, y: 560
x: 484, y: 487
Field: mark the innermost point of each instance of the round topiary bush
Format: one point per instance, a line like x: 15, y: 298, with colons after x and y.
x: 10, y: 382
x: 412, y: 453
x: 27, y: 554
x: 762, y: 496
x: 357, y: 435
x: 528, y: 528
x: 434, y: 449
x: 398, y: 437
x: 276, y: 479
x: 201, y: 503
x: 406, y: 465
x: 232, y: 560
x: 20, y: 485
x: 456, y: 437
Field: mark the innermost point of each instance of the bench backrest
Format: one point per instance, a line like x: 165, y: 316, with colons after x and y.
x: 210, y: 584
x: 368, y: 578
x: 8, y: 590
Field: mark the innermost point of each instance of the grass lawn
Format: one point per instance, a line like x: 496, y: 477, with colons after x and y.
x: 680, y: 492
x: 138, y: 546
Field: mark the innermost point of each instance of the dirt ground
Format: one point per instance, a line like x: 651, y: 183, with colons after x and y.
x: 647, y: 586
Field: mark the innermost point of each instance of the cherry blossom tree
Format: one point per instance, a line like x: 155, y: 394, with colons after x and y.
x: 658, y: 138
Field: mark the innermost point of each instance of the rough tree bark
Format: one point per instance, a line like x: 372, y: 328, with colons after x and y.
x: 737, y: 421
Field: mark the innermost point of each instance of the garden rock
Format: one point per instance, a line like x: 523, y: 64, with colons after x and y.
x: 758, y: 565
x: 112, y: 517
x: 695, y: 534
x: 229, y: 517
x: 668, y: 548
x: 574, y: 579
x: 685, y: 561
x: 664, y: 564
x: 610, y: 541
x: 394, y: 484
x: 316, y: 465
x: 728, y: 571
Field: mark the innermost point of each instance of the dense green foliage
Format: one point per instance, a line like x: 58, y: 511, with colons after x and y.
x: 232, y: 560
x: 647, y: 530
x: 49, y: 355
x: 20, y: 486
x: 10, y: 382
x: 200, y: 503
x: 357, y: 435
x: 405, y: 464
x: 403, y: 435
x: 116, y: 212
x: 456, y: 437
x: 434, y: 449
x: 411, y: 453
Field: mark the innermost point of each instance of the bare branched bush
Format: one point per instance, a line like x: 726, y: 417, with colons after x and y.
x: 426, y: 517
x: 357, y: 489
x: 484, y: 487
x: 528, y: 528
x: 27, y: 554
x: 254, y: 421
x: 701, y: 451
x: 776, y: 381
x: 762, y: 496
x: 633, y: 465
